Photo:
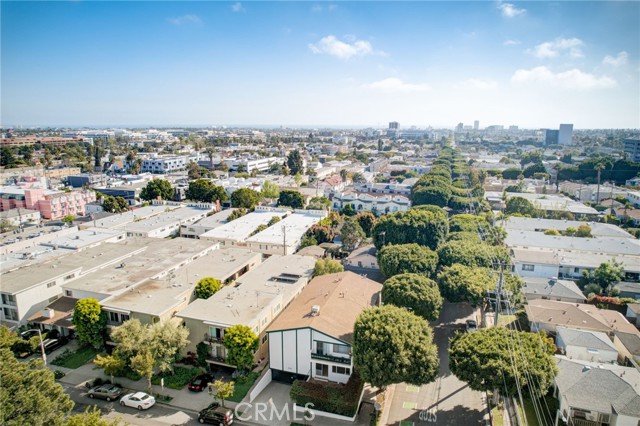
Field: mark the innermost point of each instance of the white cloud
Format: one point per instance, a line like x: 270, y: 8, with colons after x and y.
x: 185, y: 19
x: 393, y: 84
x: 330, y: 45
x: 571, y: 79
x: 616, y: 61
x: 476, y: 84
x: 237, y: 7
x: 510, y: 11
x: 551, y: 49
x: 511, y: 42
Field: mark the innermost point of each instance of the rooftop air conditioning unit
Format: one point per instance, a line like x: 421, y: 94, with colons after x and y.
x: 315, y: 310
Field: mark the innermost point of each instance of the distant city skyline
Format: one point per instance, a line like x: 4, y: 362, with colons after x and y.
x: 336, y: 64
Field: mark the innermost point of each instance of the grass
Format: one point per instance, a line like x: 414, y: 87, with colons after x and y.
x: 530, y: 411
x: 497, y: 416
x: 504, y: 320
x: 243, y: 385
x: 75, y: 359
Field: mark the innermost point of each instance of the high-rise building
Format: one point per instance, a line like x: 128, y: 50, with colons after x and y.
x: 476, y: 125
x: 459, y: 127
x: 565, y: 134
x: 632, y: 147
x: 551, y: 137
x: 393, y: 125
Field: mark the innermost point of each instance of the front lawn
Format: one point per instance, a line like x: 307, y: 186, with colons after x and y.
x: 75, y: 359
x: 242, y: 386
x: 180, y: 378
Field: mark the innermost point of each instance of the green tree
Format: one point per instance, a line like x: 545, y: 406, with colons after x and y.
x: 167, y: 339
x: 498, y: 358
x: 351, y: 234
x: 90, y: 322
x: 468, y: 223
x: 293, y: 199
x: 348, y: 210
x: 521, y: 206
x: 327, y: 266
x: 295, y: 163
x: 236, y: 214
x: 358, y: 178
x: 129, y: 338
x: 319, y: 203
x: 29, y: 394
x: 415, y: 292
x: 111, y: 364
x: 7, y: 337
x: 407, y: 259
x: 270, y: 190
x: 533, y: 169
x: 91, y: 417
x: 274, y: 220
x: 392, y: 345
x: 366, y: 220
x: 241, y: 344
x: 434, y: 195
x: 609, y: 273
x: 321, y: 233
x: 207, y: 287
x: 224, y: 390
x: 68, y: 219
x: 461, y: 283
x: 307, y: 241
x: 471, y: 253
x: 427, y: 227
x: 245, y: 198
x: 142, y: 363
x: 511, y: 174
x: 157, y: 188
x: 114, y: 204
x: 7, y: 158
x: 205, y: 191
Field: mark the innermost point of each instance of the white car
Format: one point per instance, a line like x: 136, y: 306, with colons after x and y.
x: 139, y: 400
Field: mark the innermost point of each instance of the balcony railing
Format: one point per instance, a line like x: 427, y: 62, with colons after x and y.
x: 331, y: 358
x: 214, y: 339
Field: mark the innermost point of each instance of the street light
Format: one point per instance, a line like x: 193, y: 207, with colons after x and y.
x: 44, y: 355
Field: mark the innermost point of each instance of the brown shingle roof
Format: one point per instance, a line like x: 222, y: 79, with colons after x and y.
x: 341, y: 297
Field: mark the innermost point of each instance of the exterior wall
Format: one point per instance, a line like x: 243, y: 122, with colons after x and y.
x: 623, y: 352
x: 295, y: 351
x: 585, y: 354
x: 539, y: 270
x: 536, y: 296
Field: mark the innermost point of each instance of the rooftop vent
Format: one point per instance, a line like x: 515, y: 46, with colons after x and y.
x: 315, y: 310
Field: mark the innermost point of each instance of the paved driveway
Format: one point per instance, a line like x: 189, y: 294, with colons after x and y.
x: 447, y: 401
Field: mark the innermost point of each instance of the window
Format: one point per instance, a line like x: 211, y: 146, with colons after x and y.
x: 340, y: 370
x: 526, y: 267
x: 341, y: 349
x: 68, y: 293
x: 322, y: 370
x: 9, y: 299
x: 114, y: 317
x: 70, y: 277
x: 10, y: 314
x: 576, y: 270
x: 264, y: 339
x: 51, y: 284
x: 264, y: 320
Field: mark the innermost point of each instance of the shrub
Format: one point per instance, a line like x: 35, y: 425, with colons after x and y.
x: 57, y: 374
x: 180, y: 378
x: 329, y: 397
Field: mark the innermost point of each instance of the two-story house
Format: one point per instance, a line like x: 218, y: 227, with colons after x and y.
x: 313, y: 336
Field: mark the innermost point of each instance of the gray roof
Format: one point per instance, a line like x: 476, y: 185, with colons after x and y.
x: 585, y: 339
x: 552, y: 288
x: 631, y: 341
x: 605, y: 388
x: 521, y: 238
x: 540, y: 225
x: 628, y: 287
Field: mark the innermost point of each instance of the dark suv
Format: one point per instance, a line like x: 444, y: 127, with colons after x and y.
x: 216, y: 414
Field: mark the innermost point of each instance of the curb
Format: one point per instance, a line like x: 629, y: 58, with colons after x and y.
x: 388, y: 397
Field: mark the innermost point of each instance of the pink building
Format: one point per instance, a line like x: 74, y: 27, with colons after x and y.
x: 50, y: 204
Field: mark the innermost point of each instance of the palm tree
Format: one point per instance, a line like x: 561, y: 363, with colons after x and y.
x: 599, y: 167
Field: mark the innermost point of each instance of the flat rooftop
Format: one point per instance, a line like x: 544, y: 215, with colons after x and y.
x: 240, y: 229
x: 278, y: 278
x: 554, y: 202
x: 215, y: 220
x: 606, y: 245
x: 159, y: 256
x: 631, y: 263
x: 296, y: 226
x: 119, y: 220
x: 84, y: 238
x: 540, y: 225
x: 166, y: 218
x: 83, y: 261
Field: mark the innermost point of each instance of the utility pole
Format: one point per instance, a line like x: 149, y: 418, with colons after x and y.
x: 284, y: 237
x: 498, y: 293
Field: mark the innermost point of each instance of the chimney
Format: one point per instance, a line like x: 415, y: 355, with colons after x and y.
x: 48, y: 313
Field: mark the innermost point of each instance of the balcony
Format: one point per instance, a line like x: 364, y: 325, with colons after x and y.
x: 214, y: 339
x: 325, y: 357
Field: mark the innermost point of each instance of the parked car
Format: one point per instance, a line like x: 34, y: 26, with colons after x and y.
x: 51, y: 345
x: 216, y: 414
x: 139, y: 400
x: 200, y: 383
x: 108, y: 392
x: 471, y: 326
x: 26, y: 335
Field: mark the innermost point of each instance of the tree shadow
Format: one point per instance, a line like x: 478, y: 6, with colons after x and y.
x: 457, y: 416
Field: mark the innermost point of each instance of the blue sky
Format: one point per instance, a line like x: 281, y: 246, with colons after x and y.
x: 532, y: 64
